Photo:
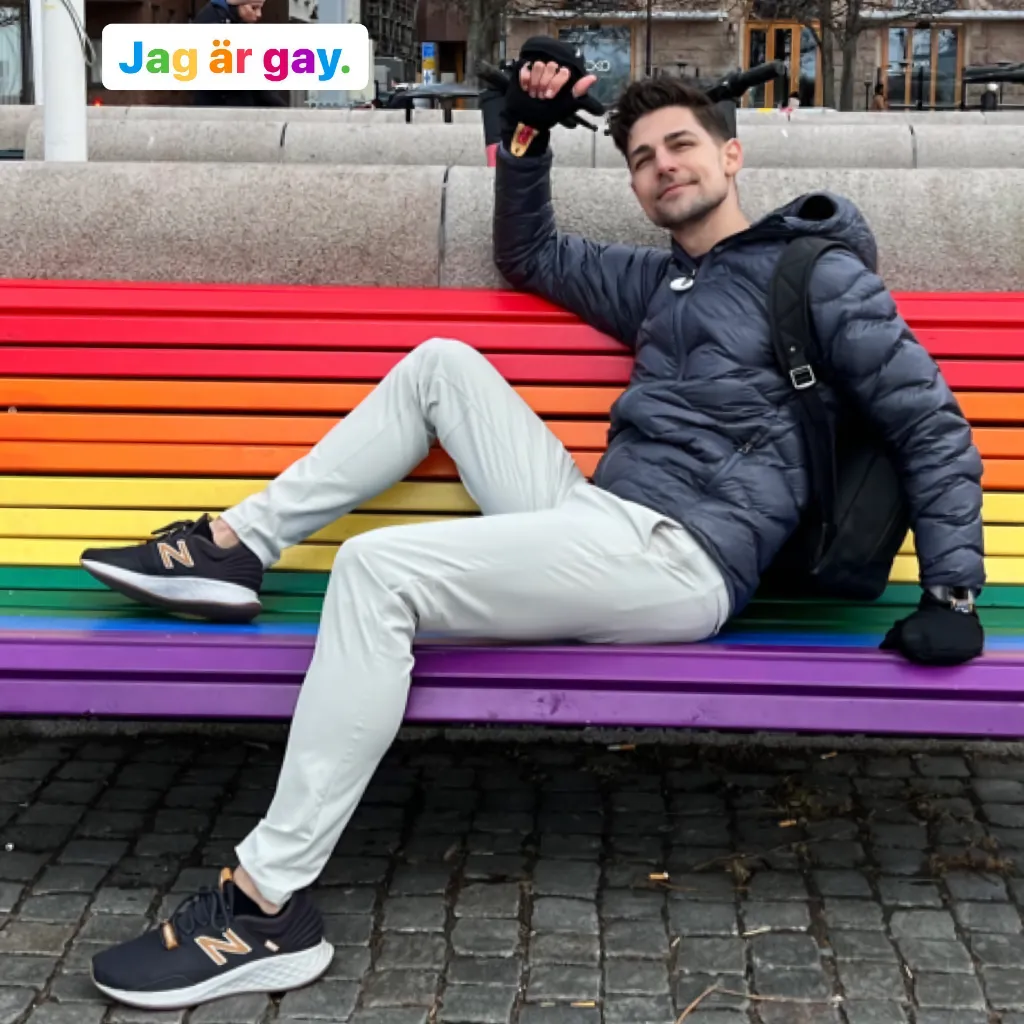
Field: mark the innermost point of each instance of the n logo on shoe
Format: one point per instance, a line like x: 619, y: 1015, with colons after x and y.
x: 216, y: 948
x: 180, y: 554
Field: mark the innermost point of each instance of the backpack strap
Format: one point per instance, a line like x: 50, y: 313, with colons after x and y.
x: 795, y: 343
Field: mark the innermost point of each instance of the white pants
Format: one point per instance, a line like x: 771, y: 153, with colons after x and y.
x: 552, y: 558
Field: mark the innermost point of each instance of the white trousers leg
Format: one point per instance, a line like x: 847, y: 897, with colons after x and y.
x: 444, y: 390
x: 566, y: 561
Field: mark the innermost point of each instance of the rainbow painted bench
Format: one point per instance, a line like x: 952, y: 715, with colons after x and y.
x: 130, y: 405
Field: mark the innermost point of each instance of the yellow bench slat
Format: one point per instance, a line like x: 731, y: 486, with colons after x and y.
x: 206, y: 495
x: 1001, y: 570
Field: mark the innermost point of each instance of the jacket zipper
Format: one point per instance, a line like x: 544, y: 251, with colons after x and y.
x: 744, y: 449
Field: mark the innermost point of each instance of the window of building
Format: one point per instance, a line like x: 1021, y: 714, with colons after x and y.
x: 607, y: 54
x: 10, y: 54
x: 923, y: 65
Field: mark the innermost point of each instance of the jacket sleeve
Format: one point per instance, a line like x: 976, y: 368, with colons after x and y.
x: 875, y: 358
x: 607, y: 285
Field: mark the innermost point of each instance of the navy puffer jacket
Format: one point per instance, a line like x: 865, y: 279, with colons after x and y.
x: 705, y: 432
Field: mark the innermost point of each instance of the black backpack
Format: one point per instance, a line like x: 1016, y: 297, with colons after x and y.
x: 858, y: 516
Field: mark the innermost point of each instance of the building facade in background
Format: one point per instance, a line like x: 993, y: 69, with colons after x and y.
x: 920, y: 63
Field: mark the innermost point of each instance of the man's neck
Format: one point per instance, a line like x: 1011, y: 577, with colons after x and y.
x: 698, y: 238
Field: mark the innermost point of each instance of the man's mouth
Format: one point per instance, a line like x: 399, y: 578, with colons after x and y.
x: 672, y: 189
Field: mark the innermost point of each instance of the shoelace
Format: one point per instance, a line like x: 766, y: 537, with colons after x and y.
x: 179, y: 526
x: 206, y: 909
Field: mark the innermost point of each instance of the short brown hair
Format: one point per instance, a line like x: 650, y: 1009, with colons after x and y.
x: 652, y: 94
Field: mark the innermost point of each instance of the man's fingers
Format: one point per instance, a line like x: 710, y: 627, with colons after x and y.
x: 583, y: 85
x: 553, y: 80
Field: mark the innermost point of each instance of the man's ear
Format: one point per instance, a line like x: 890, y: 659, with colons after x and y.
x: 732, y: 157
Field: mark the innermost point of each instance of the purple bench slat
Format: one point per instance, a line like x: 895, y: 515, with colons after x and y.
x: 213, y: 698
x: 187, y: 675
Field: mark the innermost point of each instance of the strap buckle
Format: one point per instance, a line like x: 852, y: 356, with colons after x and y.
x: 803, y: 378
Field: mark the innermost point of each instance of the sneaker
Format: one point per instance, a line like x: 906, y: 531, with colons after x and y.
x: 217, y: 943
x: 183, y: 570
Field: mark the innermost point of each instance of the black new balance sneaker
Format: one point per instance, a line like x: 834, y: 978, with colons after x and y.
x: 184, y: 571
x: 217, y: 943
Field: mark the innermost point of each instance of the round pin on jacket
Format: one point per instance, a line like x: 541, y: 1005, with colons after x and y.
x: 681, y: 284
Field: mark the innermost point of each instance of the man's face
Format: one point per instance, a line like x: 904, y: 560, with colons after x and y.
x: 251, y: 12
x: 679, y: 172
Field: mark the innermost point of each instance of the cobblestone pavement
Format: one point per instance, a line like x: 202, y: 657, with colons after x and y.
x: 545, y: 883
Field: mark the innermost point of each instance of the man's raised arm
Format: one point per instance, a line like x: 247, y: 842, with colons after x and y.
x: 609, y: 285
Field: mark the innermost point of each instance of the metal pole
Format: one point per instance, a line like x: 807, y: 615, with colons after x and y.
x: 650, y: 38
x: 64, y: 93
x: 36, y: 34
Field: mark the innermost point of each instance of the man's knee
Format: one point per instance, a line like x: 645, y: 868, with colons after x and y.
x: 444, y: 352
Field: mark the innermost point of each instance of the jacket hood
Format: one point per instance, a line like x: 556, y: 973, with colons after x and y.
x: 827, y: 215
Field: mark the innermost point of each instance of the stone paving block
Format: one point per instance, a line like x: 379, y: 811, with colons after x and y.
x: 624, y: 904
x: 636, y: 977
x: 26, y: 971
x: 948, y: 990
x: 924, y: 956
x: 842, y: 883
x: 639, y: 939
x: 350, y: 963
x: 346, y: 901
x: 922, y: 924
x: 565, y: 949
x: 563, y: 983
x: 76, y: 988
x: 475, y: 971
x: 974, y: 887
x: 566, y: 878
x: 853, y: 915
x: 711, y: 956
x: 348, y: 929
x: 1005, y: 988
x: 63, y: 908
x: 988, y: 917
x: 399, y: 988
x: 109, y: 929
x: 639, y: 1010
x: 799, y: 1013
x: 415, y: 952
x: 953, y: 1017
x: 868, y: 946
x: 792, y: 983
x: 874, y: 1012
x: 532, y: 1014
x: 473, y: 1004
x: 19, y: 867
x: 776, y: 916
x: 13, y: 1003
x: 326, y: 1000
x: 700, y: 918
x: 414, y: 914
x: 784, y: 951
x: 482, y: 900
x: 899, y: 892
x: 244, y: 1009
x: 485, y: 937
x: 731, y: 992
x: 872, y: 981
x: 558, y: 914
x: 419, y: 880
x: 41, y: 939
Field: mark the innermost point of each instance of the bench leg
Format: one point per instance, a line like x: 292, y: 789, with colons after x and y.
x: 442, y: 391
x: 596, y: 569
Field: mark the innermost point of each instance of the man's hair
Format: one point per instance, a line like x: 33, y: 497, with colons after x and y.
x: 650, y: 94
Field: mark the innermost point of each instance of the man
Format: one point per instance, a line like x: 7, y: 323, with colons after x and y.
x: 702, y: 483
x: 234, y: 12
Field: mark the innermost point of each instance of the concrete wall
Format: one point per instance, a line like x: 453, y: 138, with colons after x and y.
x: 385, y: 225
x: 769, y: 142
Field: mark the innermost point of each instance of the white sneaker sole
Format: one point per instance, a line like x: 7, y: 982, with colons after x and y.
x: 275, y: 974
x: 211, y: 599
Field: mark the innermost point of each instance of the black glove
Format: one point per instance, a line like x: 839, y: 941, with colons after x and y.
x: 541, y: 114
x: 936, y: 634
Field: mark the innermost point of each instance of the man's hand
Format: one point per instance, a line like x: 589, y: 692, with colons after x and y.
x: 547, y: 83
x: 937, y: 634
